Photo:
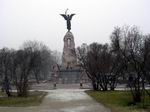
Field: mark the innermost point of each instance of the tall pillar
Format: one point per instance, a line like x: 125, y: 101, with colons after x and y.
x: 69, y: 58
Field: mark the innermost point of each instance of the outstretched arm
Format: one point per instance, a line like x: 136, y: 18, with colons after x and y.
x: 71, y: 16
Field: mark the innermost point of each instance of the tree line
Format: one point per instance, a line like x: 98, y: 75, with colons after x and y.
x: 33, y: 60
x: 126, y: 57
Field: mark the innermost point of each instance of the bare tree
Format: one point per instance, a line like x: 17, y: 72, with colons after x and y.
x: 97, y: 59
x: 43, y: 59
x: 128, y: 43
x: 23, y: 65
x: 5, y: 63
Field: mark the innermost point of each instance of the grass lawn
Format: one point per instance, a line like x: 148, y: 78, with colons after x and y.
x: 34, y: 98
x: 118, y: 101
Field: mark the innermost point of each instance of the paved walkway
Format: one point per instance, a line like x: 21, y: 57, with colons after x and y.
x: 62, y: 100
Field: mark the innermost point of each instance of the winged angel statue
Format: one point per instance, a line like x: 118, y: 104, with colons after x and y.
x: 68, y: 18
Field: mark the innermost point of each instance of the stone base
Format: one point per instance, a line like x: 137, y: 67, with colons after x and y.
x: 69, y: 76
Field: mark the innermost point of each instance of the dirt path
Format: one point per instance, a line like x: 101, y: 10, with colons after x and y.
x: 63, y: 100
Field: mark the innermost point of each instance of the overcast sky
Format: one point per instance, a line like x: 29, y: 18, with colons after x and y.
x: 22, y: 20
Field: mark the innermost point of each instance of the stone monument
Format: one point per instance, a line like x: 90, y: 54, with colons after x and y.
x: 69, y: 59
x: 69, y: 72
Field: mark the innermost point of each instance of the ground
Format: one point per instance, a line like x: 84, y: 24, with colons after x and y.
x: 63, y: 100
x: 120, y: 101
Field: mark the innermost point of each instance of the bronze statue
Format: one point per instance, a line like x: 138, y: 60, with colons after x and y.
x: 68, y: 18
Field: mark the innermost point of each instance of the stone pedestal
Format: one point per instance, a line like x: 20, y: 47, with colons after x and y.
x: 69, y: 59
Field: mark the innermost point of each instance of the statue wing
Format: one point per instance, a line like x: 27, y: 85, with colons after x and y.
x: 63, y: 15
x: 71, y: 16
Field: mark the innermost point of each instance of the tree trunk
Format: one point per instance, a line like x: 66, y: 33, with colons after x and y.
x: 137, y: 97
x: 95, y: 85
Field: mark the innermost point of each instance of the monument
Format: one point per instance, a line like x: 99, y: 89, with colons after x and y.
x: 69, y: 72
x: 69, y: 59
